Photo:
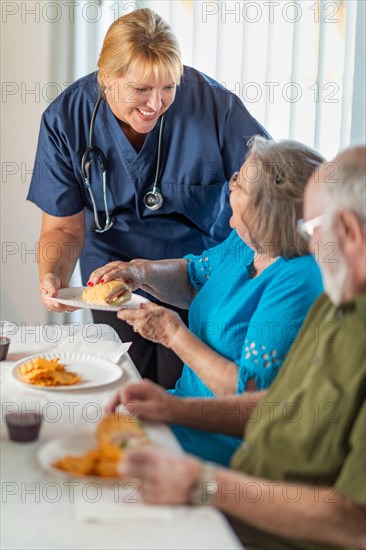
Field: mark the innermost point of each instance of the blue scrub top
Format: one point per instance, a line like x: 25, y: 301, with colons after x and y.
x: 205, y: 140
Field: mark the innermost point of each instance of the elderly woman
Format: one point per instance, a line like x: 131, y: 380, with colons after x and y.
x: 133, y: 161
x: 247, y: 297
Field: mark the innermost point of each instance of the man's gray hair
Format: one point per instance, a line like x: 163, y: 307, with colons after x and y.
x: 346, y: 188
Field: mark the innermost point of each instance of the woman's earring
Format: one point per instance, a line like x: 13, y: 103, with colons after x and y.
x: 278, y: 180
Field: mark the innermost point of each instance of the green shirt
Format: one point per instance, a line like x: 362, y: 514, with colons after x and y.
x: 311, y: 426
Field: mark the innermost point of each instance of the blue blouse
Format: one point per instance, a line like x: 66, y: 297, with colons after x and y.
x: 205, y: 140
x: 252, y: 322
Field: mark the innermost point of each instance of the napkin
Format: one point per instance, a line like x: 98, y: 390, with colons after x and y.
x: 117, y: 503
x: 102, y: 341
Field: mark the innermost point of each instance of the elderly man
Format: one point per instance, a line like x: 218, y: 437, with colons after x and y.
x: 298, y: 480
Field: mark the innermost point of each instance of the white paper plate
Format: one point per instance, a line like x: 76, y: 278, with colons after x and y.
x: 94, y: 371
x: 55, y: 449
x: 73, y: 297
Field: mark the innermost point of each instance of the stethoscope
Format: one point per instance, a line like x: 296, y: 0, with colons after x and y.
x: 153, y: 200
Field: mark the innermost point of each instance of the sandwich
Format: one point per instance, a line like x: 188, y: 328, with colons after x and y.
x: 115, y: 433
x: 112, y: 293
x: 121, y: 430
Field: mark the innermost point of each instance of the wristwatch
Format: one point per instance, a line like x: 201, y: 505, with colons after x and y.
x: 206, y: 488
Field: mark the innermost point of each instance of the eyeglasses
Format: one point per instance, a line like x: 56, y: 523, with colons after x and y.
x: 233, y: 181
x: 306, y: 228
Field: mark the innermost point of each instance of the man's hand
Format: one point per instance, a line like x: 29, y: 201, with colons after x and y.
x: 146, y: 400
x: 166, y: 478
x: 155, y: 323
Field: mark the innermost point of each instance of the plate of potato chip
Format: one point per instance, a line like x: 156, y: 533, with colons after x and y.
x: 94, y: 456
x: 65, y: 371
x: 79, y: 455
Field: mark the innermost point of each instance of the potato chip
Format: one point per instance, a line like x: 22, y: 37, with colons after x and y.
x: 114, y: 433
x: 102, y: 462
x: 47, y: 372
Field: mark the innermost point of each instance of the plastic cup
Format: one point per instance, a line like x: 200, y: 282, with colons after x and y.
x: 4, y: 347
x: 24, y: 427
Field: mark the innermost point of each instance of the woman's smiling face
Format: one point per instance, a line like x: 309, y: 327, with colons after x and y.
x: 139, y: 103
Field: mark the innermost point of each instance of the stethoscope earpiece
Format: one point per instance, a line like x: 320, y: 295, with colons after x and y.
x: 153, y: 200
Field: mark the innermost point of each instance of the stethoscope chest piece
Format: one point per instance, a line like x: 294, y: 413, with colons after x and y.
x: 153, y: 200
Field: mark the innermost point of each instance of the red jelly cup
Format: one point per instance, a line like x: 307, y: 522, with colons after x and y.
x: 4, y: 347
x: 24, y: 427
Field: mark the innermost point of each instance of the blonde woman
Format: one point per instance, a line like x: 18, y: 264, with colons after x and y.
x: 247, y: 297
x: 133, y: 161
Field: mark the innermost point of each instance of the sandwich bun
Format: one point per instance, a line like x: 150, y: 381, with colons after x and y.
x: 112, y: 293
x: 121, y: 430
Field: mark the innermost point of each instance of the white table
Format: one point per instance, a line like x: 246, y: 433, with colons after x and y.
x: 38, y: 509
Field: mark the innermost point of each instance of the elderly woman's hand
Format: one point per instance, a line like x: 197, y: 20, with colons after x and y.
x: 146, y: 400
x: 49, y: 286
x: 132, y: 273
x: 166, y: 478
x: 156, y: 323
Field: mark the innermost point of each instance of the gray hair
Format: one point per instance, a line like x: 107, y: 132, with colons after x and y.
x: 276, y: 194
x: 345, y: 188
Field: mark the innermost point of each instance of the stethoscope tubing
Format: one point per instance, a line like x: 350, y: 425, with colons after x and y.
x: 157, y: 173
x: 153, y: 200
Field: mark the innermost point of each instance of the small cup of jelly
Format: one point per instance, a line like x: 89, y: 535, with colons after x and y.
x: 4, y: 347
x: 24, y: 426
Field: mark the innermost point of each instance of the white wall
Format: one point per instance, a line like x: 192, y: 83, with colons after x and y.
x: 23, y: 68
